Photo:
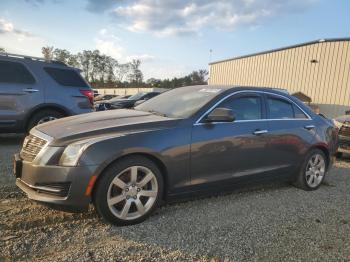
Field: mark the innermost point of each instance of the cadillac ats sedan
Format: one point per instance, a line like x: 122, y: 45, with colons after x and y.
x: 184, y: 142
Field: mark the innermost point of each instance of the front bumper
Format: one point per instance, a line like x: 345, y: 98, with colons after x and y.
x: 56, y: 185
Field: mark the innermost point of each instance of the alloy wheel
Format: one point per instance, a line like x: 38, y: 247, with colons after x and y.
x: 46, y: 119
x: 132, y: 193
x: 315, y: 170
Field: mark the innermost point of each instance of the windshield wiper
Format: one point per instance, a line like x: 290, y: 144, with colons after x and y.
x: 157, y: 113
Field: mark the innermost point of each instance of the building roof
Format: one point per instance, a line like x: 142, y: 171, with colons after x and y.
x: 283, y: 48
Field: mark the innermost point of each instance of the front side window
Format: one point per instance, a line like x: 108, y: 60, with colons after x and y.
x: 66, y: 77
x: 244, y: 108
x: 16, y: 73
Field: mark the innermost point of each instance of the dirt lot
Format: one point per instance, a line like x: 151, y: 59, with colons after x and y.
x: 275, y: 222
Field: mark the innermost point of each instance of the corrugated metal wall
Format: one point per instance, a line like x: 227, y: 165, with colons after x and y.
x: 327, y: 81
x: 127, y: 91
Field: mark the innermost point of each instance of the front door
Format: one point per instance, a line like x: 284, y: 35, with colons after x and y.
x: 225, y: 152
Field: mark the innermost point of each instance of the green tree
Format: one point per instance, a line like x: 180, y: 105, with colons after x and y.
x: 85, y: 61
x: 61, y: 55
x: 73, y: 61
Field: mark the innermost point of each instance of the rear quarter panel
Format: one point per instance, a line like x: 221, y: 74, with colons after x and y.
x: 66, y: 96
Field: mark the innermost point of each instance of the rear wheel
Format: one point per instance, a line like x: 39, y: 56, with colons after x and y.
x: 313, y: 171
x: 43, y: 116
x: 128, y: 191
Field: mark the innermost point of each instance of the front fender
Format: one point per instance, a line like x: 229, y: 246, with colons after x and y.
x: 173, y: 153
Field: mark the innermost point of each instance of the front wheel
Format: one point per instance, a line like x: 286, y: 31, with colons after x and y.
x: 128, y: 191
x: 313, y: 171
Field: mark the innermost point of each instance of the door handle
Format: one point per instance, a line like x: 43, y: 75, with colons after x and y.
x: 309, y: 127
x: 30, y: 90
x: 259, y: 132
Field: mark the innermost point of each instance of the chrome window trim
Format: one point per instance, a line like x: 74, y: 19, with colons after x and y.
x: 198, y: 122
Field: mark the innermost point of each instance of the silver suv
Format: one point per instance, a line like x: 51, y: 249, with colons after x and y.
x: 34, y: 90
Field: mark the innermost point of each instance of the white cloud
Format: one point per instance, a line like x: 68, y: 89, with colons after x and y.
x: 16, y: 40
x: 110, y: 48
x: 144, y: 58
x: 183, y: 17
x: 6, y: 27
x: 109, y: 44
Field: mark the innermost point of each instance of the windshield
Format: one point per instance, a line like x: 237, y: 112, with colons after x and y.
x: 114, y: 99
x: 137, y: 96
x: 180, y: 102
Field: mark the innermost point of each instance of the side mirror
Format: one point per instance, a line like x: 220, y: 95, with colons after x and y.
x: 220, y: 115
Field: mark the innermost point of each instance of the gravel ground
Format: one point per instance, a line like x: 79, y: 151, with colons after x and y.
x: 274, y: 222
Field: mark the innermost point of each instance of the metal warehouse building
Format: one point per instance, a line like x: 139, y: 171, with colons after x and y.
x: 318, y: 69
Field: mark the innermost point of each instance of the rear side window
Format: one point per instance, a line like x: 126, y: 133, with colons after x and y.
x: 282, y: 109
x: 66, y: 77
x: 16, y: 73
x: 244, y: 108
x: 298, y: 113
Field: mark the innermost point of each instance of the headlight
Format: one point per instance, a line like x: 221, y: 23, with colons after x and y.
x: 72, y: 153
x: 337, y: 123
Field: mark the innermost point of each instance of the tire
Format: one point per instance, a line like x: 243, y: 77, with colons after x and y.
x: 339, y: 155
x: 311, y: 177
x: 41, y: 116
x: 114, y: 192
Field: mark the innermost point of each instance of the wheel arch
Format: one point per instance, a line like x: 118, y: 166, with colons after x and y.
x: 38, y: 108
x: 160, y: 164
x: 325, y: 150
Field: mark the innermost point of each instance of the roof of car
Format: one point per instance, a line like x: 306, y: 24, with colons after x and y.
x: 31, y: 59
x: 242, y: 88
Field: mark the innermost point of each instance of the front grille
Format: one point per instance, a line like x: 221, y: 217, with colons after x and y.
x: 344, y: 131
x: 31, y: 147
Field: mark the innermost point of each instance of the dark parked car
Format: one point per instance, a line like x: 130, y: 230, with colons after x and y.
x: 343, y: 123
x: 117, y: 103
x: 105, y: 97
x: 208, y: 139
x: 35, y: 90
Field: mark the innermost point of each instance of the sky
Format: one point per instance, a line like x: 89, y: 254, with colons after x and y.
x: 171, y: 37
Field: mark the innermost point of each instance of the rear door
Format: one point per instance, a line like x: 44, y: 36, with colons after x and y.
x: 291, y: 131
x: 19, y: 92
x: 225, y: 152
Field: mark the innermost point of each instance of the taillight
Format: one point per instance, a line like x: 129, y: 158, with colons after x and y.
x: 89, y: 94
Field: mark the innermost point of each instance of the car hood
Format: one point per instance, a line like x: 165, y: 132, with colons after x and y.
x: 96, y: 124
x: 345, y: 119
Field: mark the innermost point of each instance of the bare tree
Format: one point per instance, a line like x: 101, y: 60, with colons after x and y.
x: 135, y: 75
x: 121, y: 72
x: 47, y: 52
